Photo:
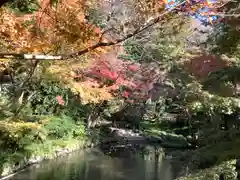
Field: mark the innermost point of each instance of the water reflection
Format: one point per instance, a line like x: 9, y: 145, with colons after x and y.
x: 94, y: 165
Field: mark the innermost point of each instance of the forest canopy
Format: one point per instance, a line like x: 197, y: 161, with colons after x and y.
x: 159, y: 66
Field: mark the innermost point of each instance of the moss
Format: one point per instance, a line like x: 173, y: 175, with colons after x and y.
x: 226, y: 169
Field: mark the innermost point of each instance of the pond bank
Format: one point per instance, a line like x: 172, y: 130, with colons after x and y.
x: 93, y: 164
x: 162, y: 138
x: 10, y: 168
x: 211, y: 162
x: 225, y: 170
x: 190, y: 164
x: 17, y: 162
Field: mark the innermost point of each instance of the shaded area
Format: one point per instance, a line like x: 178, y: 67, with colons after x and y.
x: 93, y: 164
x: 179, y: 114
x: 38, y: 126
x: 202, y: 65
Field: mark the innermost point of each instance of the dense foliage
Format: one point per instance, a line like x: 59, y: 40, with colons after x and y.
x: 180, y: 76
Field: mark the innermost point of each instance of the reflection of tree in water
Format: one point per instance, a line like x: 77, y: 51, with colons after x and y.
x: 155, y: 165
x: 97, y: 166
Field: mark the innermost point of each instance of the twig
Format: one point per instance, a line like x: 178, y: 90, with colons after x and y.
x: 103, y: 33
x: 228, y: 15
x: 90, y: 48
x: 224, y: 4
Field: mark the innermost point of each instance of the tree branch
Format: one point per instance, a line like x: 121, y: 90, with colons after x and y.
x: 90, y: 48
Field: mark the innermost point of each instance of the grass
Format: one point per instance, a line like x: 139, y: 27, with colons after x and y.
x: 21, y: 141
x: 11, y: 161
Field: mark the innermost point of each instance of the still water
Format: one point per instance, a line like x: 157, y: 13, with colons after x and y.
x: 95, y: 165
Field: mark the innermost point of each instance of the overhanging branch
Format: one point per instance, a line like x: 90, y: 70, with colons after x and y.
x: 90, y: 48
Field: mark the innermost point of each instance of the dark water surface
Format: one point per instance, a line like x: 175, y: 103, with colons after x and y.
x: 94, y: 165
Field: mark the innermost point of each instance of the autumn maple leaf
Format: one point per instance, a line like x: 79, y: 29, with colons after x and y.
x: 125, y: 94
x: 133, y: 67
x: 97, y: 30
x: 109, y: 75
x: 60, y: 100
x: 130, y: 101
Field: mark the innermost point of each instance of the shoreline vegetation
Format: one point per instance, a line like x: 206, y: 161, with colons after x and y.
x: 11, y: 168
x: 25, y: 143
x: 178, y: 82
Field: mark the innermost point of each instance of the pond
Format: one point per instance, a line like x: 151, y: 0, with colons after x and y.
x: 93, y: 164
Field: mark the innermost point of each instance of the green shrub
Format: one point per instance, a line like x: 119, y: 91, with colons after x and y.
x: 23, y: 6
x: 63, y: 127
x: 17, y: 135
x: 59, y: 127
x: 95, y: 17
x: 44, y: 101
x: 79, y: 130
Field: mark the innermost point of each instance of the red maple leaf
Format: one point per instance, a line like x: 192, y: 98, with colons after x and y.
x: 133, y: 67
x: 125, y: 94
x: 60, y: 100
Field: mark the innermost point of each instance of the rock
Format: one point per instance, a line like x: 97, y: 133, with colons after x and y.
x: 136, y: 138
x: 35, y: 159
x: 154, y: 139
x: 161, y: 137
x: 120, y: 132
x: 169, y: 140
x: 6, y: 169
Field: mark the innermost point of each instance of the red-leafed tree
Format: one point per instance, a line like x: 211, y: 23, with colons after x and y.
x: 123, y: 79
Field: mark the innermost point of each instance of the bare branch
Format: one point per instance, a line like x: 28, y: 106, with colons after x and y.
x: 103, y: 33
x: 228, y: 15
x: 224, y: 4
x: 140, y: 29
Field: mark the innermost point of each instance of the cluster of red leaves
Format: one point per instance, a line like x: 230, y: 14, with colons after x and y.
x: 60, y: 100
x: 127, y: 80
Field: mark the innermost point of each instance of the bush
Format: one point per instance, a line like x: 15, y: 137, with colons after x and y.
x: 63, y: 127
x: 45, y: 102
x: 17, y: 135
x: 213, y: 173
x: 23, y: 6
